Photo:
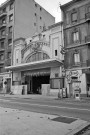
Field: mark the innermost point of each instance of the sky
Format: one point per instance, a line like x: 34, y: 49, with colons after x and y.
x: 52, y: 6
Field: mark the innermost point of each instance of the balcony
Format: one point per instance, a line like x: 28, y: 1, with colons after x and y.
x: 87, y: 16
x: 2, y: 49
x: 2, y: 37
x: 2, y: 25
x: 87, y: 39
x: 1, y: 61
x: 3, y: 14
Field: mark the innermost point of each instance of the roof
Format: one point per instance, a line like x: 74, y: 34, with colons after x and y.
x: 69, y: 4
x: 55, y: 25
x: 5, y: 3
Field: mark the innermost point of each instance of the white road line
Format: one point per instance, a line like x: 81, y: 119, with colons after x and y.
x: 49, y: 106
x: 4, y: 100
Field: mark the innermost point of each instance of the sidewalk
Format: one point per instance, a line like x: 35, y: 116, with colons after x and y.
x: 33, y: 96
x: 15, y: 122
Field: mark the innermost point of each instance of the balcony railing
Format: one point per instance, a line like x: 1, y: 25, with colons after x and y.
x: 87, y: 16
x: 2, y: 36
x: 2, y: 49
x: 2, y: 25
x: 3, y: 14
x: 87, y: 38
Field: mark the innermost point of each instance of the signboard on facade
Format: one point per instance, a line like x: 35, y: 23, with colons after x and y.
x: 73, y: 73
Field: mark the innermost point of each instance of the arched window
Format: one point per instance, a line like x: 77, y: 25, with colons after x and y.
x: 37, y: 57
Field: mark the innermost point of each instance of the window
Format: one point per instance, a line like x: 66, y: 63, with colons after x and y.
x: 44, y: 37
x: 76, y: 58
x: 11, y: 6
x: 75, y: 36
x: 1, y: 57
x: 45, y: 56
x: 9, y: 41
x: 10, y: 29
x: 35, y: 5
x: 55, y: 52
x: 3, y: 21
x: 10, y: 17
x: 37, y: 57
x: 40, y: 27
x: 3, y: 32
x: 40, y: 9
x: 9, y: 55
x: 35, y: 24
x: 4, y: 9
x: 89, y: 9
x: 40, y: 18
x: 17, y: 56
x: 1, y: 69
x: 35, y: 14
x: 2, y: 44
x: 74, y: 17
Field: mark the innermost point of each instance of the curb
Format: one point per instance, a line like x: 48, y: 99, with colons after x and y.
x: 79, y: 130
x: 83, y: 129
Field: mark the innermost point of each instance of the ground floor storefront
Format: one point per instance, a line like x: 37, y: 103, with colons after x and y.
x: 44, y: 77
x: 5, y: 82
x: 78, y: 81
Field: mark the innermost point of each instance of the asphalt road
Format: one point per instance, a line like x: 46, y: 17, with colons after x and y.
x: 53, y: 106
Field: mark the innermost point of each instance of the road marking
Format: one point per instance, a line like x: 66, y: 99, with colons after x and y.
x: 4, y: 100
x: 50, y: 106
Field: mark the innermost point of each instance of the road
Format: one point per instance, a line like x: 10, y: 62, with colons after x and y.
x: 53, y: 106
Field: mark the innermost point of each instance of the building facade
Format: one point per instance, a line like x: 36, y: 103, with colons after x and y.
x: 38, y: 62
x: 76, y: 18
x: 18, y: 18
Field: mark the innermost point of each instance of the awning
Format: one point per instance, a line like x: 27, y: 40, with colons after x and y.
x: 37, y: 72
x: 35, y: 65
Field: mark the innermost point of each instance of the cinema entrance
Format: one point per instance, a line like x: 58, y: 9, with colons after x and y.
x: 35, y: 79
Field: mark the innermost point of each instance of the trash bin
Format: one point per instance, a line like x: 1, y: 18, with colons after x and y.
x: 64, y: 92
x: 77, y: 94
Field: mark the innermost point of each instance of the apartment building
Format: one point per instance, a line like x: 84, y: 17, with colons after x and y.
x: 19, y: 18
x: 76, y: 18
x: 38, y: 62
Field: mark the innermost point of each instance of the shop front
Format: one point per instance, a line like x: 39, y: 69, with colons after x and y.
x: 78, y: 80
x: 35, y: 76
x: 34, y: 79
x: 5, y: 82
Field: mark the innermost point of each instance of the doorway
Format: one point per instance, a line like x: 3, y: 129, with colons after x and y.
x: 37, y: 82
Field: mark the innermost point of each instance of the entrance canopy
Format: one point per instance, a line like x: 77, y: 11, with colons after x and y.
x: 36, y: 65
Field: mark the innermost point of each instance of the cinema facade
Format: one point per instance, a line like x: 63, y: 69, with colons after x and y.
x: 38, y: 63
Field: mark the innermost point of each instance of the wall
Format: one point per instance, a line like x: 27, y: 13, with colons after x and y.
x: 56, y: 41
x: 55, y: 70
x: 17, y: 89
x: 25, y: 18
